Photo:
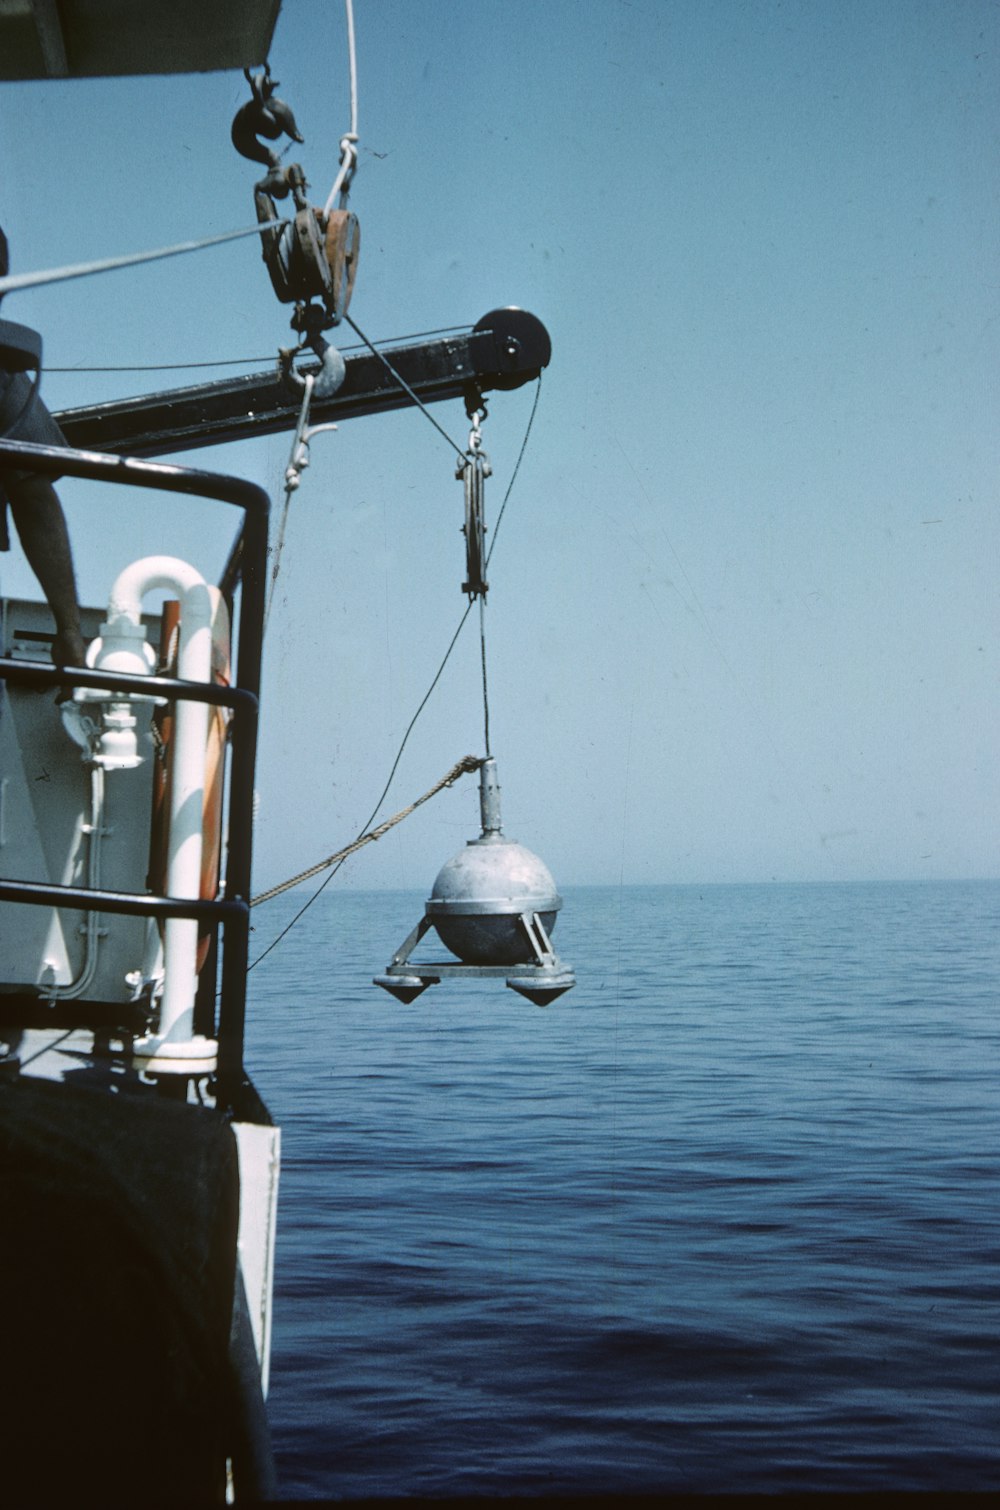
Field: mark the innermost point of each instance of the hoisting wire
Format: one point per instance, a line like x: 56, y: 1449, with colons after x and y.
x: 473, y: 471
x: 421, y: 335
x: 486, y: 698
x: 14, y: 281
x: 395, y: 765
x: 165, y: 366
x: 336, y: 861
x: 349, y: 141
x: 405, y: 386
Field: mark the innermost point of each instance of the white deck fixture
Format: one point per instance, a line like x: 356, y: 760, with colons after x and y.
x: 122, y: 647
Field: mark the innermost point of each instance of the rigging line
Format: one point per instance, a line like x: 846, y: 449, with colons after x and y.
x: 399, y: 755
x: 353, y: 64
x: 426, y: 698
x: 349, y: 141
x: 420, y: 335
x: 467, y: 763
x: 486, y: 696
x: 405, y: 385
x: 517, y: 467
x: 291, y: 483
x: 15, y: 281
x: 166, y: 366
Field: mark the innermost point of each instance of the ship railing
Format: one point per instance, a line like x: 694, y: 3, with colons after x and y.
x: 245, y: 569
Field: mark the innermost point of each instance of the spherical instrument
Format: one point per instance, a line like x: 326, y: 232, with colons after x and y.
x: 479, y: 896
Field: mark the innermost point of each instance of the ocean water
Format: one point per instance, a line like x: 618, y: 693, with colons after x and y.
x: 726, y: 1217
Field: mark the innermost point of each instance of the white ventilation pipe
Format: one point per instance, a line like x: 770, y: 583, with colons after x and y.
x: 175, y: 1039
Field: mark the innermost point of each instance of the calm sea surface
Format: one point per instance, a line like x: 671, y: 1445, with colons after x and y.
x: 725, y: 1217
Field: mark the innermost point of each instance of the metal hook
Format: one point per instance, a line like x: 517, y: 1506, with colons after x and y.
x: 263, y: 115
x: 326, y: 382
x: 475, y: 408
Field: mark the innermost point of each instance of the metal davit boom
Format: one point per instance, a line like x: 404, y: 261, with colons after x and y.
x: 504, y: 350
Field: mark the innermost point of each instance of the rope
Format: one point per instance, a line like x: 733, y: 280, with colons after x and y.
x: 420, y: 335
x: 291, y: 483
x: 468, y: 763
x: 405, y: 385
x: 336, y: 863
x: 349, y: 141
x: 15, y: 281
x: 395, y: 765
x: 517, y: 467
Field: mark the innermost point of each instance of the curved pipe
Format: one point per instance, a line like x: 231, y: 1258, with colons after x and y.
x: 194, y: 663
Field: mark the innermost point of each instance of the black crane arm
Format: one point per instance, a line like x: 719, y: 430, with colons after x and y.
x: 505, y: 349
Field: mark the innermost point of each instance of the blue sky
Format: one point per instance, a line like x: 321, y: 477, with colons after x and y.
x: 743, y: 612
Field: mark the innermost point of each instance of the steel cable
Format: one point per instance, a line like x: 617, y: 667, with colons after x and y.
x: 337, y: 860
x: 15, y: 281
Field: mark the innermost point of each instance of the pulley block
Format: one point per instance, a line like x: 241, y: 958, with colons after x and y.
x: 343, y: 247
x: 313, y: 256
x: 473, y: 470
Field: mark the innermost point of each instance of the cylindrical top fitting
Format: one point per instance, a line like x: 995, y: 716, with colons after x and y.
x: 489, y: 797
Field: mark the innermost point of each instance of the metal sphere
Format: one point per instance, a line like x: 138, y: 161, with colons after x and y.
x: 479, y: 895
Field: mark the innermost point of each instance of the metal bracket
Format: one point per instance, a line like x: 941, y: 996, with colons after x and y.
x: 541, y: 982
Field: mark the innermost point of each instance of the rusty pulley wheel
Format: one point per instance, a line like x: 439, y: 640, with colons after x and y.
x: 293, y: 253
x: 343, y: 246
x: 310, y: 269
x: 311, y: 257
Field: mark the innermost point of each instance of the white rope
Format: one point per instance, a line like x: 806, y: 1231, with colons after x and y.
x: 349, y: 141
x: 297, y: 460
x: 85, y: 269
x: 353, y: 62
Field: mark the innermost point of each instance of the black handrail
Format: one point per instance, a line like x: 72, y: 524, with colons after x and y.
x: 43, y: 673
x: 247, y: 564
